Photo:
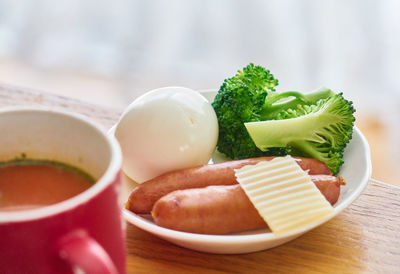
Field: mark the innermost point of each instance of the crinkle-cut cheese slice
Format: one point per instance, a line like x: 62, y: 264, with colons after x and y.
x: 283, y: 194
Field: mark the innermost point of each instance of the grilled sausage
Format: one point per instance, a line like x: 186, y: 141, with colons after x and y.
x: 221, y: 209
x: 329, y: 186
x: 143, y: 197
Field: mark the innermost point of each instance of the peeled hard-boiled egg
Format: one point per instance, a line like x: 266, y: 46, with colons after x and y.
x: 166, y: 129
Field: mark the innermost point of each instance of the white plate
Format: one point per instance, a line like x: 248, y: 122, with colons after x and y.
x: 356, y: 171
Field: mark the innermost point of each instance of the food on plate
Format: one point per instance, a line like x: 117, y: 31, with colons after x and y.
x: 208, y: 210
x: 166, y: 129
x: 329, y: 186
x: 283, y: 194
x: 321, y: 131
x: 252, y: 125
x: 250, y: 97
x: 143, y: 197
x: 220, y: 209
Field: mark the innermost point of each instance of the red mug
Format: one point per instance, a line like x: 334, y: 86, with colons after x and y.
x: 85, y: 233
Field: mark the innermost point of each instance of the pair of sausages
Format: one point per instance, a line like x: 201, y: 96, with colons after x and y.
x: 208, y: 199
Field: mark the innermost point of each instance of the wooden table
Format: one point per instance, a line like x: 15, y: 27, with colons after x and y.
x: 364, y: 238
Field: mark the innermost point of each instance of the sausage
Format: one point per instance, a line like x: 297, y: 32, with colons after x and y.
x: 329, y: 186
x: 207, y: 210
x: 143, y: 197
x: 221, y: 209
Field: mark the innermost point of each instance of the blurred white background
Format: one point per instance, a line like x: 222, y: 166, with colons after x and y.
x: 109, y: 52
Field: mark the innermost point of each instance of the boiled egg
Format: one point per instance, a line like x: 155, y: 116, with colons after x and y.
x: 166, y: 129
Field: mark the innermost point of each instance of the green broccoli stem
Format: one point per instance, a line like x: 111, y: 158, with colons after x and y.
x: 272, y: 107
x: 295, y: 129
x: 321, y: 93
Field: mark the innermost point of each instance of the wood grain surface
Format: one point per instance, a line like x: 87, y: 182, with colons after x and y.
x: 364, y: 238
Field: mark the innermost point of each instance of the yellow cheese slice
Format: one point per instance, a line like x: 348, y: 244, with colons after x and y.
x: 283, y: 194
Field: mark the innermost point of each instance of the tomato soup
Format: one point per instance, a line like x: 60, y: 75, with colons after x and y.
x: 26, y: 184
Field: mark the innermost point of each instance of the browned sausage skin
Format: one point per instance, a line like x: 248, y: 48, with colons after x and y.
x: 145, y: 195
x: 329, y: 186
x: 221, y: 209
x: 207, y: 210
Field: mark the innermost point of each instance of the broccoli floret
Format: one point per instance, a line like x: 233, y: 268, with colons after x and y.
x: 250, y: 96
x: 320, y: 131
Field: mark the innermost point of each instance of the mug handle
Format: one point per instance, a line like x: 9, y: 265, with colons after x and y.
x: 84, y: 253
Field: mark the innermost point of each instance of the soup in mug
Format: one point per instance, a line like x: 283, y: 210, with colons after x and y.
x: 26, y: 184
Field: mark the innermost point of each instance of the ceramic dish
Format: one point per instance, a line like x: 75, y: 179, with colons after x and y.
x: 356, y: 171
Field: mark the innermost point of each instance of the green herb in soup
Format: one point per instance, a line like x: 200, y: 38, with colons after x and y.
x: 26, y: 183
